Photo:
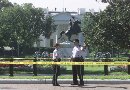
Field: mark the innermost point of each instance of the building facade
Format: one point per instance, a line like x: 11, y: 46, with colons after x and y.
x: 61, y: 20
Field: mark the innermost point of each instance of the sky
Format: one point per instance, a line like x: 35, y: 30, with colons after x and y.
x: 70, y: 5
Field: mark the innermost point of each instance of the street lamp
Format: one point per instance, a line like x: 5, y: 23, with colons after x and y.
x: 18, y: 46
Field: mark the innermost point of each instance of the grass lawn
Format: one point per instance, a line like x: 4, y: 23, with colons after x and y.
x: 88, y: 69
x: 94, y: 70
x: 91, y: 72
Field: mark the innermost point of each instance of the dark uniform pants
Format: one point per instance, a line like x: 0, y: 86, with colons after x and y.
x: 78, y: 70
x: 56, y: 71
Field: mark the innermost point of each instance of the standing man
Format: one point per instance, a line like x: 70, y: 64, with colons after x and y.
x: 56, y: 68
x: 85, y: 52
x: 77, y: 69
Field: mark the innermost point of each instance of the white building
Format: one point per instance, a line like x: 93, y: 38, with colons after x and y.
x: 61, y: 20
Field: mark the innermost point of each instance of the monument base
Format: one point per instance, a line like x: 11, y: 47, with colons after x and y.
x: 66, y: 48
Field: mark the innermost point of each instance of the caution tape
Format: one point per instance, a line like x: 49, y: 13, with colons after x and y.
x: 70, y: 63
x: 63, y: 58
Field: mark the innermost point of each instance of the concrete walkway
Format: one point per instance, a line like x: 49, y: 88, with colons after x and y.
x: 62, y: 81
x: 64, y: 87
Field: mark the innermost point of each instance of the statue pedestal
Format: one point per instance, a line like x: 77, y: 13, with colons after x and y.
x: 66, y: 48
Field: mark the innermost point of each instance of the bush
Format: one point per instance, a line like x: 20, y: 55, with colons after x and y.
x: 47, y: 69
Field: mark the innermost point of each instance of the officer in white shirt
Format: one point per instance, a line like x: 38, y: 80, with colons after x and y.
x: 85, y: 51
x: 56, y: 68
x: 77, y: 69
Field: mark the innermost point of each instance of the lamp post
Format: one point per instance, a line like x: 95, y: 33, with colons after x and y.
x: 18, y: 46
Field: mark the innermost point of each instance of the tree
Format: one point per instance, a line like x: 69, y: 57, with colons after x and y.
x: 49, y: 26
x: 5, y: 3
x: 111, y: 2
x: 111, y: 27
x: 21, y: 26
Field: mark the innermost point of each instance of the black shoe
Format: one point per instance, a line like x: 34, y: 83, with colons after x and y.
x: 56, y: 85
x: 74, y: 84
x: 81, y: 84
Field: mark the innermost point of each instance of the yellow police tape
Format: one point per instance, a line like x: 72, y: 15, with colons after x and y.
x: 70, y: 63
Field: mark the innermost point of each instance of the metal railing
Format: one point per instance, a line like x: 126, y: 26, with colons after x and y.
x: 11, y: 60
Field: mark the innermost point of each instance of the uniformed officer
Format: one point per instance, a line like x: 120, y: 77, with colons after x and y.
x: 77, y: 69
x: 85, y: 52
x: 56, y: 68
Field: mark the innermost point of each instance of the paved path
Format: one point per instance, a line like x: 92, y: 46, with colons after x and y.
x: 63, y: 81
x: 64, y: 87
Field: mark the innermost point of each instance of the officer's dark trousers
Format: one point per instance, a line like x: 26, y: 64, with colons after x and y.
x: 78, y: 70
x: 56, y: 71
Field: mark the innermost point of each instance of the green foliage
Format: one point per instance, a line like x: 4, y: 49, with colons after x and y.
x: 5, y: 3
x: 114, y: 1
x: 41, y: 69
x: 109, y: 28
x: 22, y: 25
x: 49, y: 27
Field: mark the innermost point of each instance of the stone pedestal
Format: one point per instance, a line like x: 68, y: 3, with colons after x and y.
x: 66, y: 48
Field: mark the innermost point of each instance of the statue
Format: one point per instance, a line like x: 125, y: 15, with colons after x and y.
x: 67, y: 36
x: 74, y: 29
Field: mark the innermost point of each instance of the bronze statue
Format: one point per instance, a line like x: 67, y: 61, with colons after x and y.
x: 74, y: 29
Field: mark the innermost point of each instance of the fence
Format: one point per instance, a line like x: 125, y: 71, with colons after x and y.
x: 11, y: 62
